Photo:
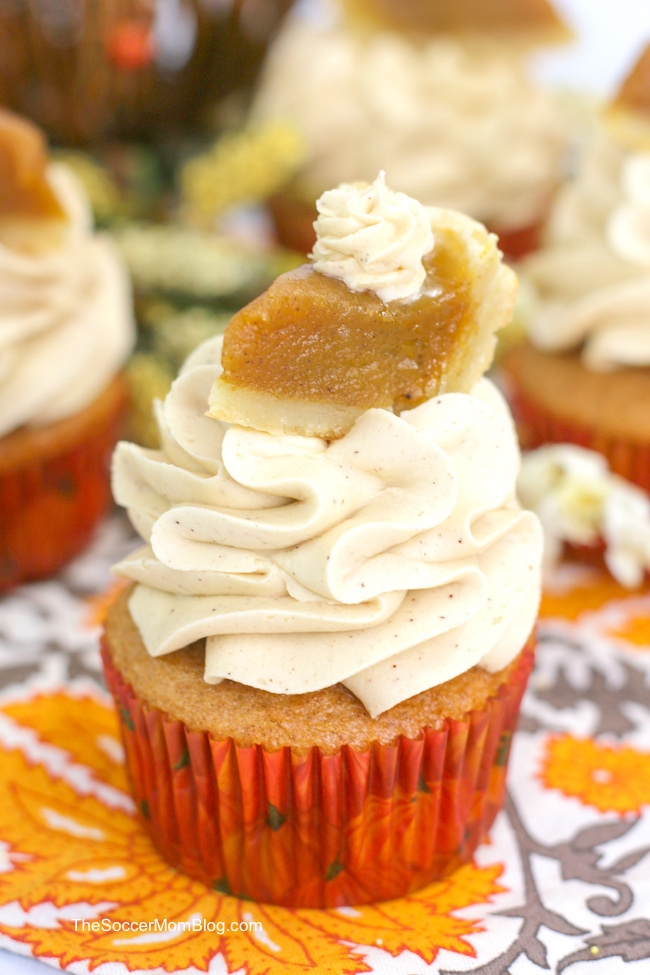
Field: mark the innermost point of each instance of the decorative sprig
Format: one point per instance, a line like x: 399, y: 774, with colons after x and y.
x: 242, y: 167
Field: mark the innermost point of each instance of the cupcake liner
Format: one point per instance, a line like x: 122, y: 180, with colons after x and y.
x: 537, y: 426
x: 593, y: 555
x: 316, y: 829
x: 51, y: 502
x: 516, y: 244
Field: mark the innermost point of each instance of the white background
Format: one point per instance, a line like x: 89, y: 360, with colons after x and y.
x: 610, y: 34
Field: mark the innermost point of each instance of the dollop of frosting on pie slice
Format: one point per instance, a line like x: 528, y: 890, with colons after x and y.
x: 372, y: 238
x: 327, y: 342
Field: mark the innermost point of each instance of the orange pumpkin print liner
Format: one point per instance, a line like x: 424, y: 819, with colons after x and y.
x: 318, y: 830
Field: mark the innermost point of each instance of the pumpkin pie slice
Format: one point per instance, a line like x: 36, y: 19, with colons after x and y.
x: 31, y: 217
x: 533, y: 20
x: 310, y: 355
x: 628, y: 113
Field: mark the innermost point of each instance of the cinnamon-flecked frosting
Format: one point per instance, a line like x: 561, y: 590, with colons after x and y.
x: 390, y: 560
x: 373, y: 238
x: 455, y: 123
x: 592, y: 277
x: 66, y: 323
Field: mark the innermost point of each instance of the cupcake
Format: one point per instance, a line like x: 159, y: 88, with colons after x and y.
x: 65, y: 330
x: 91, y: 71
x: 437, y: 94
x: 582, y: 375
x: 319, y: 662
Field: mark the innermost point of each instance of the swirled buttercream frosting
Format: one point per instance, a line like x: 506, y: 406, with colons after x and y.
x: 66, y: 323
x: 389, y: 560
x: 454, y: 124
x: 592, y: 277
x: 372, y: 238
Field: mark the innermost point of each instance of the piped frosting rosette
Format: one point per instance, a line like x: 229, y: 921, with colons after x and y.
x: 389, y: 560
x: 66, y: 321
x: 593, y: 276
x: 373, y: 238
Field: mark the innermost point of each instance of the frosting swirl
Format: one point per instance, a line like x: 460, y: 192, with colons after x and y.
x: 390, y: 560
x: 454, y: 124
x: 592, y: 278
x: 66, y: 323
x: 373, y: 238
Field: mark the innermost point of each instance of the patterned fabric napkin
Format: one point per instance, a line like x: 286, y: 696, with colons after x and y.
x: 563, y: 884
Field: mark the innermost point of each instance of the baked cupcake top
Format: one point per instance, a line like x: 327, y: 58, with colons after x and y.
x: 66, y: 323
x: 452, y: 116
x: 592, y: 276
x: 389, y: 556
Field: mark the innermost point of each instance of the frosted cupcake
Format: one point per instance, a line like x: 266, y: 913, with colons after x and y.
x: 89, y: 72
x: 319, y: 666
x: 438, y: 95
x: 65, y: 330
x: 583, y: 375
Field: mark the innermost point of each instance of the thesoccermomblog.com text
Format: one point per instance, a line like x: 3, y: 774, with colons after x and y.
x: 163, y: 925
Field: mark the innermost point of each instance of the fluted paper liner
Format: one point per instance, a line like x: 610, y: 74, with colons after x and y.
x: 50, y: 504
x: 537, y: 426
x: 315, y: 829
x: 516, y: 244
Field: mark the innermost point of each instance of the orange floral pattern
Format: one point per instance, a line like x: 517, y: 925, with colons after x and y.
x: 594, y: 590
x: 75, y: 850
x: 634, y: 629
x: 613, y: 779
x: 604, y: 607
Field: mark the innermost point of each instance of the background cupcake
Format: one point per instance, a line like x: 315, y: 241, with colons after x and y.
x: 65, y: 330
x: 583, y: 375
x: 90, y: 70
x: 339, y: 732
x: 437, y: 96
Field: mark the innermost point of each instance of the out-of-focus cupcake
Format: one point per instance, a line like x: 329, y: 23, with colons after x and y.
x: 93, y: 69
x: 583, y: 374
x: 436, y: 94
x: 319, y: 666
x: 66, y: 329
